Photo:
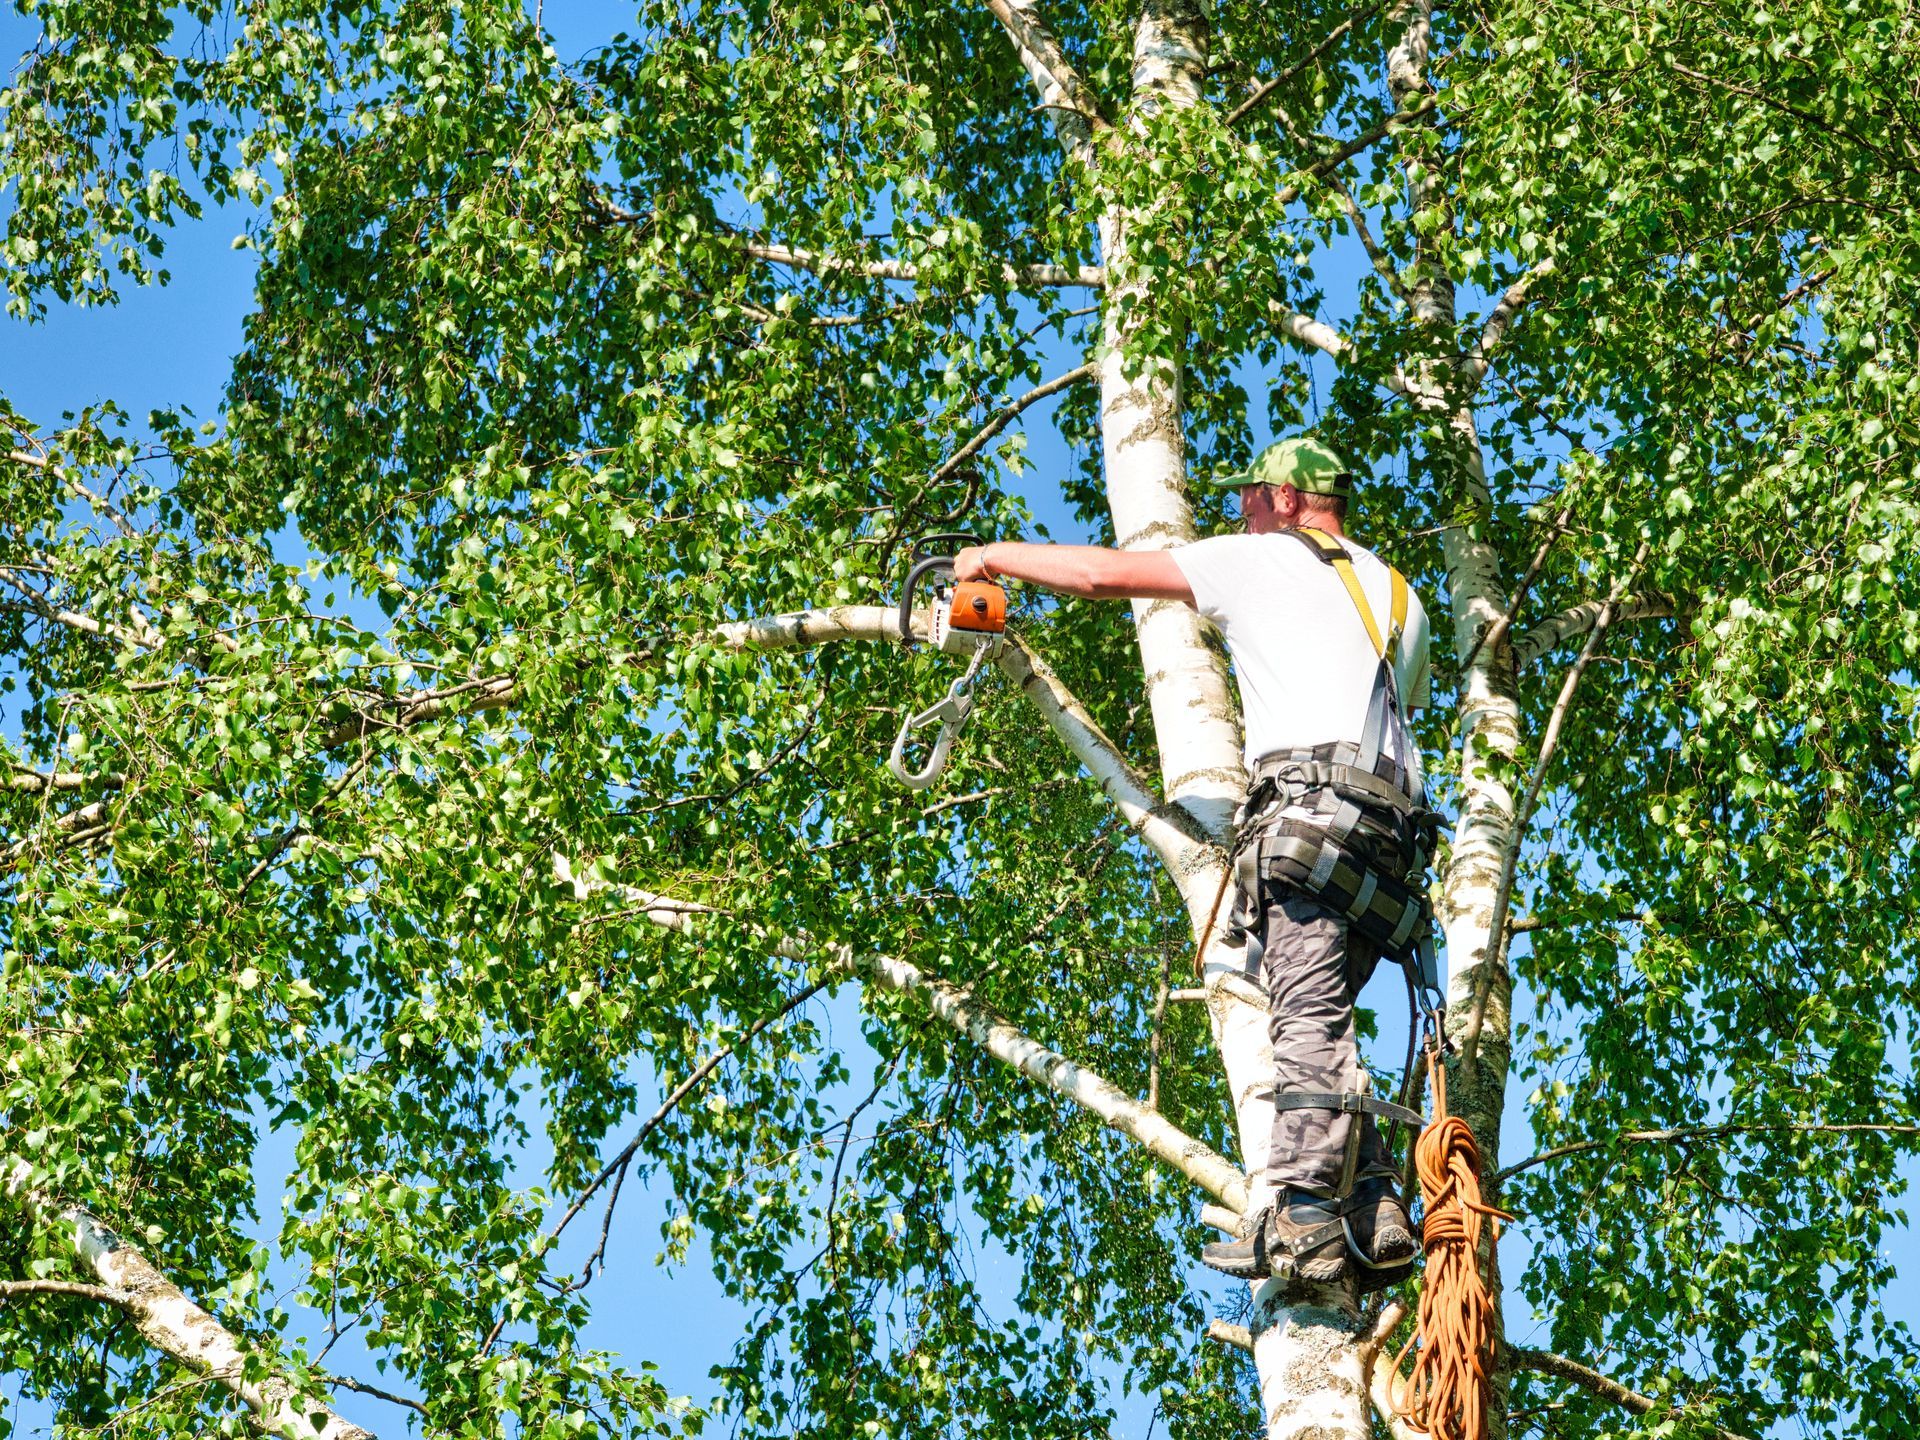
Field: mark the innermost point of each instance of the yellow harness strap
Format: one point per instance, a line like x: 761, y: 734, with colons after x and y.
x: 1335, y: 554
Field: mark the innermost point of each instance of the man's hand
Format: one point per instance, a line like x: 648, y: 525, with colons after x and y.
x: 971, y: 564
x: 1086, y: 570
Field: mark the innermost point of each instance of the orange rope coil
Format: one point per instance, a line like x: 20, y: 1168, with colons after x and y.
x: 1446, y: 1396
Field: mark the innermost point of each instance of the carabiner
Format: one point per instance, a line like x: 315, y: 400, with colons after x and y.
x: 950, y: 714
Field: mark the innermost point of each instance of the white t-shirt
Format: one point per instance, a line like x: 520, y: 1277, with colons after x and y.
x: 1299, y: 647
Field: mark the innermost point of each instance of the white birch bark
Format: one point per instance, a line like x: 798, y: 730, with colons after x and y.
x: 174, y: 1325
x: 1143, y: 444
x: 1488, y: 720
x: 1303, y: 1337
x: 958, y: 1007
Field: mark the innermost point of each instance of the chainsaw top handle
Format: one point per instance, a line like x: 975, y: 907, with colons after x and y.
x: 931, y: 553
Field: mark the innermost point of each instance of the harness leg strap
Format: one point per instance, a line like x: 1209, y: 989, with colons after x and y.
x: 1347, y: 1103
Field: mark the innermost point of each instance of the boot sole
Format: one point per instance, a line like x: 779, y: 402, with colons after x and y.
x: 1392, y: 1262
x: 1238, y: 1269
x: 1318, y: 1270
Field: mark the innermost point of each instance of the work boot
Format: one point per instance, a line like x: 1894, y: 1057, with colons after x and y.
x: 1299, y: 1238
x: 1381, y: 1234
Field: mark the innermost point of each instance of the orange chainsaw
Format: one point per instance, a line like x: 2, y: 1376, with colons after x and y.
x: 969, y: 618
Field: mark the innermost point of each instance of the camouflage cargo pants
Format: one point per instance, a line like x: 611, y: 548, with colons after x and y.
x: 1313, y: 967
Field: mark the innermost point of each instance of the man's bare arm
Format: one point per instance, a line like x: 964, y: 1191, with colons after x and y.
x: 1086, y: 570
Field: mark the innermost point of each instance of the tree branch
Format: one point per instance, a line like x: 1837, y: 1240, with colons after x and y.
x: 106, y: 1295
x: 71, y: 619
x: 1213, y: 1172
x: 1702, y: 1132
x: 1305, y: 330
x: 957, y: 1006
x: 1501, y: 318
x: 36, y: 783
x: 1521, y: 924
x: 1063, y: 94
x: 416, y: 707
x: 73, y: 828
x: 173, y: 1324
x: 1554, y: 631
x: 1238, y: 1337
x: 1090, y: 276
x: 1383, y: 1380
x: 1254, y: 101
x: 347, y: 1383
x: 1008, y: 415
x: 1348, y: 149
x: 1491, y: 638
x: 1549, y: 741
x: 1176, y: 837
x: 1382, y: 263
x: 1545, y: 1362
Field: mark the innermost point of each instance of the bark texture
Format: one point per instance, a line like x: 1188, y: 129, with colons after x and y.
x: 174, y: 1325
x: 1008, y: 1044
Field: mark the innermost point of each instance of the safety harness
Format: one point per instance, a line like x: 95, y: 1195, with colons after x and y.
x: 1348, y: 825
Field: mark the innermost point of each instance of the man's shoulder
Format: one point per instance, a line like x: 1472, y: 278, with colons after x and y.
x: 1266, y: 549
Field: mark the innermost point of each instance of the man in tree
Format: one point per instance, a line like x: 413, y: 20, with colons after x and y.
x: 1302, y: 610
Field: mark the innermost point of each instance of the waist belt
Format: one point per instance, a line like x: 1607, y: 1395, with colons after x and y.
x: 1327, y: 780
x: 1338, y: 756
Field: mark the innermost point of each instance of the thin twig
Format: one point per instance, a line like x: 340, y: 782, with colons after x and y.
x: 1161, y: 992
x: 363, y: 1388
x: 723, y: 796
x: 599, y: 1254
x: 840, y: 1157
x: 1338, y: 157
x: 1007, y: 416
x: 1703, y: 1132
x: 1560, y: 1367
x: 619, y: 1163
x: 300, y: 827
x: 1522, y: 924
x: 1502, y: 896
x: 1253, y: 101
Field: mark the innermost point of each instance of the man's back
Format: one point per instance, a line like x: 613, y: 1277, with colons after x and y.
x: 1300, y: 649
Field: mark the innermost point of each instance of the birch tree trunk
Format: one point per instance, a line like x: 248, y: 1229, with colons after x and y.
x: 1311, y: 1380
x: 1488, y: 718
x: 1306, y: 1339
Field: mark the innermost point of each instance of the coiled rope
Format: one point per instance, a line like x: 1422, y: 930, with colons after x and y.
x: 1446, y: 1395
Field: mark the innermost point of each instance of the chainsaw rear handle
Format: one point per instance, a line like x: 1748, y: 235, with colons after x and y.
x: 920, y: 568
x: 931, y: 553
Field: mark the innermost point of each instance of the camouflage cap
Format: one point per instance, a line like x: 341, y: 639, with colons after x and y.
x: 1300, y: 461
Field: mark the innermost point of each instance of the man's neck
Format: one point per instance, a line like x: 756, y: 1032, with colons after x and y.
x: 1312, y: 520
